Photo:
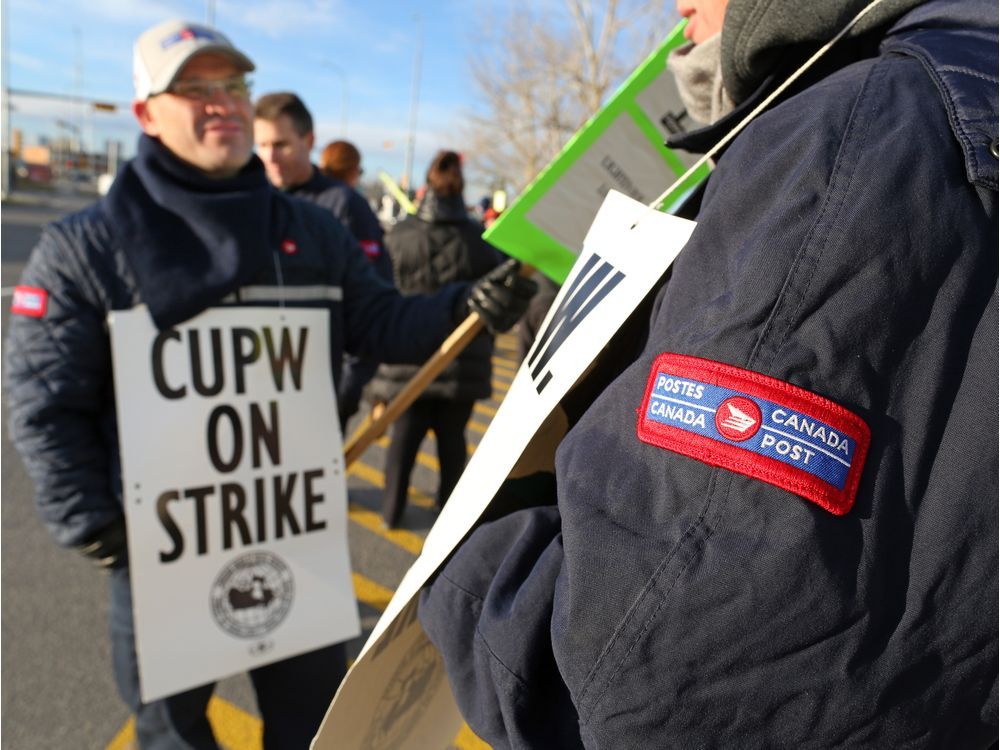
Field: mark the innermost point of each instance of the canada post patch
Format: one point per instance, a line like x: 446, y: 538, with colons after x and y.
x: 371, y: 248
x: 29, y: 300
x: 756, y: 426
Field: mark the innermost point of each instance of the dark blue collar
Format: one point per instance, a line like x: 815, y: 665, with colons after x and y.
x: 189, y: 239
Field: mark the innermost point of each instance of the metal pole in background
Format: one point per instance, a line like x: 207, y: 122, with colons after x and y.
x: 5, y: 166
x: 210, y: 12
x: 414, y: 95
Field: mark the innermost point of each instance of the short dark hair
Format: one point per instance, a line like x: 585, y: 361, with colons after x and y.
x: 271, y: 106
x: 444, y: 176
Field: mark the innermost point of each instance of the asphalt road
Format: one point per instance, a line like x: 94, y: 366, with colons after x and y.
x: 58, y: 690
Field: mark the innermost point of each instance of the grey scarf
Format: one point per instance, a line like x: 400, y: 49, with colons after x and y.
x: 698, y: 71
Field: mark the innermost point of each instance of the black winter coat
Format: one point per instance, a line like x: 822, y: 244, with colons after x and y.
x: 846, y: 245
x: 437, y: 246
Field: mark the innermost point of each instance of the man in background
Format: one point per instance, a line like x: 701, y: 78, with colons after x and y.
x: 284, y: 137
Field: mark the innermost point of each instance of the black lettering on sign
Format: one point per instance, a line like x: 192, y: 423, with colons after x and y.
x: 196, y: 369
x: 170, y: 526
x: 311, y: 499
x: 236, y: 428
x: 246, y: 350
x: 674, y: 122
x: 234, y: 502
x: 263, y: 433
x: 594, y: 282
x: 198, y: 494
x: 283, y: 507
x: 260, y: 497
x: 286, y: 355
x: 224, y: 519
x: 159, y: 377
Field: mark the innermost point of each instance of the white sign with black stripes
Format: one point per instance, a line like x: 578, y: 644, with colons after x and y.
x: 396, y: 694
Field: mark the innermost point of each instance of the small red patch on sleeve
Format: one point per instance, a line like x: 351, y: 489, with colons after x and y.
x: 371, y: 248
x: 30, y: 301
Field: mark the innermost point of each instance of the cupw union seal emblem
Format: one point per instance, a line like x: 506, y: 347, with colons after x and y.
x: 252, y: 594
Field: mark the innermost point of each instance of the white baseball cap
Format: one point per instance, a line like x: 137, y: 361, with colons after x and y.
x: 161, y: 52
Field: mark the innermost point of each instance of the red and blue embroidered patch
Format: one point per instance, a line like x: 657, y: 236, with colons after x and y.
x: 29, y: 300
x: 371, y: 248
x: 757, y: 426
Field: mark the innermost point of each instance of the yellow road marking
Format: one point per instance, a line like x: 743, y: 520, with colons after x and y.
x: 233, y: 727
x: 372, y: 521
x: 373, y: 594
x: 488, y: 411
x: 506, y: 341
x: 374, y: 477
x: 124, y: 738
x: 466, y: 739
x: 507, y: 367
x: 424, y: 459
x: 236, y: 729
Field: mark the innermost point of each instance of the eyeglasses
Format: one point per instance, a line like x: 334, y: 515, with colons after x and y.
x: 237, y: 87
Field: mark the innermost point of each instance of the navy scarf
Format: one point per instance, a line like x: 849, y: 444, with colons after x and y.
x: 189, y: 239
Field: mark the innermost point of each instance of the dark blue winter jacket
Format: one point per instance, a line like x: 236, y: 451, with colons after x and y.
x: 263, y: 248
x: 348, y: 205
x: 846, y: 244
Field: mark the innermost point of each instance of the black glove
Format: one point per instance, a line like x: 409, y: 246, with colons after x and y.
x: 108, y: 549
x: 502, y: 296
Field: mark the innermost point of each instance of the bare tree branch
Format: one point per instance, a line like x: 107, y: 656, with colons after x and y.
x: 546, y: 68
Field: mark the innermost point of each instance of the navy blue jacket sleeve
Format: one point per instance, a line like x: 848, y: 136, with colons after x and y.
x: 488, y: 613
x: 382, y: 324
x: 58, y: 379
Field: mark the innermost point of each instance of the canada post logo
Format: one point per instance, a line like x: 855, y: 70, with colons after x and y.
x: 757, y: 426
x: 738, y: 418
x: 184, y: 35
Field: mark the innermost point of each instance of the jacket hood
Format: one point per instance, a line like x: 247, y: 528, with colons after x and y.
x: 757, y: 34
x: 440, y: 209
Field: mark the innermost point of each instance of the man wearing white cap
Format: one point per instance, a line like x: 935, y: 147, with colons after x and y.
x: 191, y: 223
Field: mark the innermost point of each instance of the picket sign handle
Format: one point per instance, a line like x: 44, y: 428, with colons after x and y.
x: 460, y: 338
x: 451, y: 348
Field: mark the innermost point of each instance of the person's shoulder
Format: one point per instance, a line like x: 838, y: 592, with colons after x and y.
x: 358, y: 203
x: 331, y: 186
x: 309, y: 214
x: 91, y: 218
x: 409, y: 225
x: 855, y: 113
x: 88, y: 230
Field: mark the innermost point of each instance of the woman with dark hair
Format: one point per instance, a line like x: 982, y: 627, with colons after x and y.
x: 440, y: 244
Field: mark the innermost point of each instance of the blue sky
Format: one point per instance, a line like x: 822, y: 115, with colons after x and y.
x: 310, y: 47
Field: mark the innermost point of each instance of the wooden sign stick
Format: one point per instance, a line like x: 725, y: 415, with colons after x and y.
x: 451, y: 348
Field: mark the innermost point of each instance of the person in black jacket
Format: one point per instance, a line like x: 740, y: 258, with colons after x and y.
x: 283, y: 134
x: 723, y: 563
x: 190, y: 223
x: 437, y: 246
